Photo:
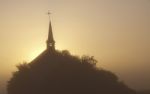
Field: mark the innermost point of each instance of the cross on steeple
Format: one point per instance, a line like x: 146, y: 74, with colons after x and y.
x: 49, y: 13
x: 50, y: 40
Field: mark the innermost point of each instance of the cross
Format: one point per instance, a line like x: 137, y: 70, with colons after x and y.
x: 49, y: 14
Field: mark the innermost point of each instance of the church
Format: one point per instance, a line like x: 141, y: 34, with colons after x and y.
x: 50, y: 46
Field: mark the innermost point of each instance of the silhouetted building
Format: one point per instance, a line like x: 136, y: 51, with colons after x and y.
x: 50, y: 50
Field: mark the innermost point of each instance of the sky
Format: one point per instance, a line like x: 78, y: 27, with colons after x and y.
x: 115, y: 32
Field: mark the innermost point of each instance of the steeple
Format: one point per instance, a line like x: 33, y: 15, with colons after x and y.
x: 50, y: 40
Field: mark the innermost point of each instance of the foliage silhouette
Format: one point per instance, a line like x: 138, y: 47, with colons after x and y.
x: 63, y: 73
x: 144, y: 92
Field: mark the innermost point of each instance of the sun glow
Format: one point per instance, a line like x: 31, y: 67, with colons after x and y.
x: 34, y: 53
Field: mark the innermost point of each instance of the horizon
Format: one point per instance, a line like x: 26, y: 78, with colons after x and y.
x: 116, y: 33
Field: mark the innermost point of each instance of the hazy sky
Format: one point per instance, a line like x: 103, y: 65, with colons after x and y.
x: 116, y: 32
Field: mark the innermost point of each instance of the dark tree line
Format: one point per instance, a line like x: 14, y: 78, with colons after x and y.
x: 62, y: 73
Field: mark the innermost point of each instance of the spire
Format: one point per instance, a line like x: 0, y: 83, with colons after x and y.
x: 50, y: 40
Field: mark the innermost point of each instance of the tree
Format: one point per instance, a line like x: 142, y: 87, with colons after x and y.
x: 63, y: 73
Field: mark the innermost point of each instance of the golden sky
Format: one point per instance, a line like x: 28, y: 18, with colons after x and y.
x: 116, y: 32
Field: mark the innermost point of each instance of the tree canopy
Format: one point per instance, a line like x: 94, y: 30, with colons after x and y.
x: 63, y: 73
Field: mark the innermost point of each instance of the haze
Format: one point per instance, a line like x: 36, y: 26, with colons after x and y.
x: 116, y: 32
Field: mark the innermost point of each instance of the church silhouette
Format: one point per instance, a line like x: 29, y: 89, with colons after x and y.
x: 59, y: 72
x: 50, y: 50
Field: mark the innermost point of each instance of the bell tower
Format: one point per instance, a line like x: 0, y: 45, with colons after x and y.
x: 50, y: 41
